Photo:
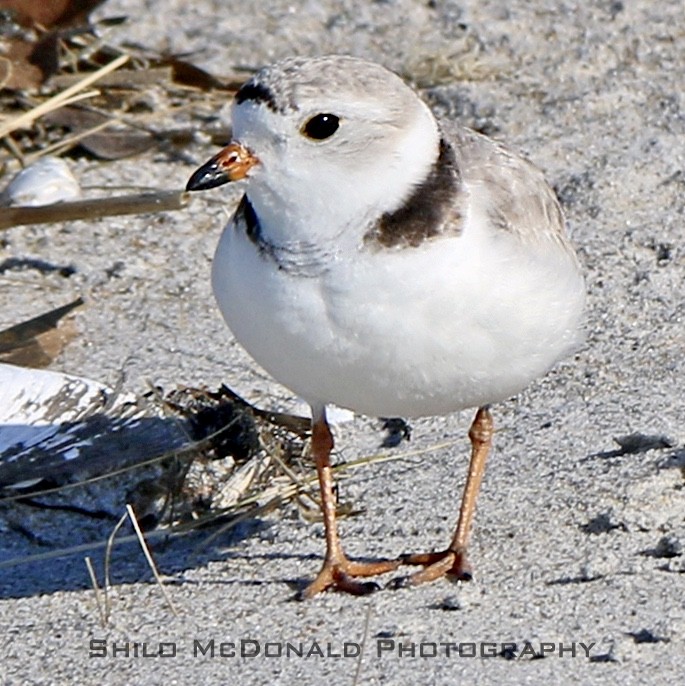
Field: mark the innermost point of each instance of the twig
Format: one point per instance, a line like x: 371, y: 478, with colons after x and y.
x: 161, y: 201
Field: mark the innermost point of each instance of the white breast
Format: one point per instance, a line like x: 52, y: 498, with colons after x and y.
x: 456, y: 322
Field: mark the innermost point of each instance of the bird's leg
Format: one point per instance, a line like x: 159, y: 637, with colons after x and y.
x: 453, y: 561
x: 337, y: 571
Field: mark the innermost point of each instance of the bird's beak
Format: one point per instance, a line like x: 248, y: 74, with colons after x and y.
x: 230, y: 164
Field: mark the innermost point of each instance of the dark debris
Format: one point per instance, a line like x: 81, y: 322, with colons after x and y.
x: 646, y: 636
x: 398, y: 430
x: 603, y: 523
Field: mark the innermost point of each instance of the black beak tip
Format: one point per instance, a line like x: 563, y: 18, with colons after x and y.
x: 208, y: 176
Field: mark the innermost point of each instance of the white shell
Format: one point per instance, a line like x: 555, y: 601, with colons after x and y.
x: 47, y: 181
x: 57, y: 423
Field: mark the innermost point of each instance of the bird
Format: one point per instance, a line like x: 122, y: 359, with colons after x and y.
x: 387, y: 261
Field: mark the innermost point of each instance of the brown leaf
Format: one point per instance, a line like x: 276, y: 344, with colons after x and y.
x: 108, y: 144
x: 16, y: 70
x: 50, y: 13
x: 76, y: 118
x: 187, y: 74
x: 115, y: 145
x: 29, y: 60
x: 123, y: 78
x: 36, y: 342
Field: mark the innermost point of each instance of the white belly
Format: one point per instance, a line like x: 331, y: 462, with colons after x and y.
x: 451, y: 324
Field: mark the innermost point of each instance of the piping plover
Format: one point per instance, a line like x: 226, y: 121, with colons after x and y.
x: 389, y: 264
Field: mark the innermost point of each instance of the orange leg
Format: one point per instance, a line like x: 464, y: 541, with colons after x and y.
x: 338, y: 571
x: 453, y: 561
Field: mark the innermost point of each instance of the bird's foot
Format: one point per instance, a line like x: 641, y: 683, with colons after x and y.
x: 340, y: 574
x: 452, y: 563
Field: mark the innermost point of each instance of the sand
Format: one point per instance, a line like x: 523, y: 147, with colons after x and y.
x: 569, y: 536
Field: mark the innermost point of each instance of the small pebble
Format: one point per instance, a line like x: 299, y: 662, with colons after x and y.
x: 668, y: 546
x: 451, y: 603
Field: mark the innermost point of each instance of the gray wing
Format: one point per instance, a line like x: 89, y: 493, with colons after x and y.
x: 513, y: 191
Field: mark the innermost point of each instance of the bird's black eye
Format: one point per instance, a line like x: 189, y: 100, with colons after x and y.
x: 321, y: 126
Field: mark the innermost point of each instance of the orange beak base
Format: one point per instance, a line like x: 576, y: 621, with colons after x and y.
x: 230, y: 164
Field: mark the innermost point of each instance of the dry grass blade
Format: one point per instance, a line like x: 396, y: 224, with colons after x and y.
x: 295, y: 478
x: 175, y: 532
x: 185, y: 451
x: 148, y: 557
x: 253, y: 512
x: 358, y: 671
x: 108, y: 557
x: 242, y: 479
x: 161, y: 201
x: 25, y: 120
x: 388, y: 457
x: 96, y: 589
x: 69, y: 142
x: 275, y: 496
x: 150, y: 76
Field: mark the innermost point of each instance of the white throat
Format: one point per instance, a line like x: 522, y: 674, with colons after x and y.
x: 330, y: 211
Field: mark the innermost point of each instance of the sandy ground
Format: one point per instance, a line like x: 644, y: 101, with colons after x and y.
x: 569, y: 537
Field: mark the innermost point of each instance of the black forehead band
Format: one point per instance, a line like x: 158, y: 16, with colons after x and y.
x: 257, y: 92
